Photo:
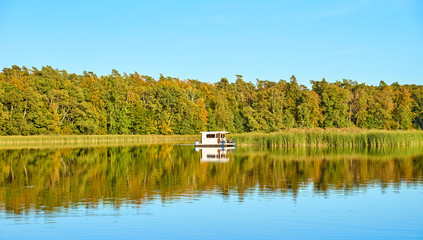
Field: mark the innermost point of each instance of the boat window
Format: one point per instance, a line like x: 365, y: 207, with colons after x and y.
x: 223, y: 135
x: 211, y: 156
x: 210, y: 136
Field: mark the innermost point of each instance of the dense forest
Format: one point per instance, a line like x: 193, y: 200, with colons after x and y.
x: 50, y: 101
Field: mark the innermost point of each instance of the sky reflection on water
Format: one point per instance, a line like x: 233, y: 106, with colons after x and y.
x: 372, y: 214
x: 157, y: 192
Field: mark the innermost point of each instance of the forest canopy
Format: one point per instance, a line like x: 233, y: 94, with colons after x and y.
x: 51, y: 101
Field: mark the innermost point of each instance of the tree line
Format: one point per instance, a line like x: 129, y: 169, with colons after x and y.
x: 51, y: 101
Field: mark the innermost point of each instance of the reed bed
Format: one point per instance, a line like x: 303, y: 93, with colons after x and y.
x: 332, y: 138
x: 351, y: 138
x: 91, y: 140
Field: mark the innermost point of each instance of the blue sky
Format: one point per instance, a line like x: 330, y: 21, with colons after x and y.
x: 362, y: 40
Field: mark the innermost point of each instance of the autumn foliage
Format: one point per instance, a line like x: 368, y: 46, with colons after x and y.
x: 49, y: 101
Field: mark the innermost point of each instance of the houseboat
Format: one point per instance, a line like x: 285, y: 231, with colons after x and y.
x: 215, y: 139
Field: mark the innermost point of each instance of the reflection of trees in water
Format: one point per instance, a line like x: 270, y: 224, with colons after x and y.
x: 45, y: 179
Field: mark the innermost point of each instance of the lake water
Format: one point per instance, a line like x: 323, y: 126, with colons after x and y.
x: 175, y: 192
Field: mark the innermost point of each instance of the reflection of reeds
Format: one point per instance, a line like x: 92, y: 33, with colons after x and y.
x: 332, y: 138
x: 330, y: 153
x: 90, y: 140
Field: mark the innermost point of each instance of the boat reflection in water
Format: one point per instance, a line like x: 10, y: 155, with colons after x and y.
x: 214, y: 154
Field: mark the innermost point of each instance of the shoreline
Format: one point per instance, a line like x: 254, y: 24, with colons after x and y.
x: 57, y: 141
x: 315, y: 138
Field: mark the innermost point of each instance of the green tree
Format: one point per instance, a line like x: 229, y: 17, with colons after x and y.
x: 335, y: 107
x: 417, y: 106
x: 402, y: 114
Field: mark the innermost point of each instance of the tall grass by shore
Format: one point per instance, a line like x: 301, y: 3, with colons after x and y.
x: 289, y: 138
x: 91, y: 140
x: 332, y: 138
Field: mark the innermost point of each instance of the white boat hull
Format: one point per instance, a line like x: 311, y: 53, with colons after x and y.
x: 218, y: 145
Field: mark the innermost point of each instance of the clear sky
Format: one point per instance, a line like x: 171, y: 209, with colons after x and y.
x: 362, y: 40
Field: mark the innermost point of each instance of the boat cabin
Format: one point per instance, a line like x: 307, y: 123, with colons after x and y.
x: 213, y: 137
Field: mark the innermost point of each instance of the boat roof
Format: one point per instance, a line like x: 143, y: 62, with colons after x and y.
x: 215, y: 132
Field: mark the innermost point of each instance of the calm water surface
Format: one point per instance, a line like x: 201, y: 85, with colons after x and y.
x: 175, y: 192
